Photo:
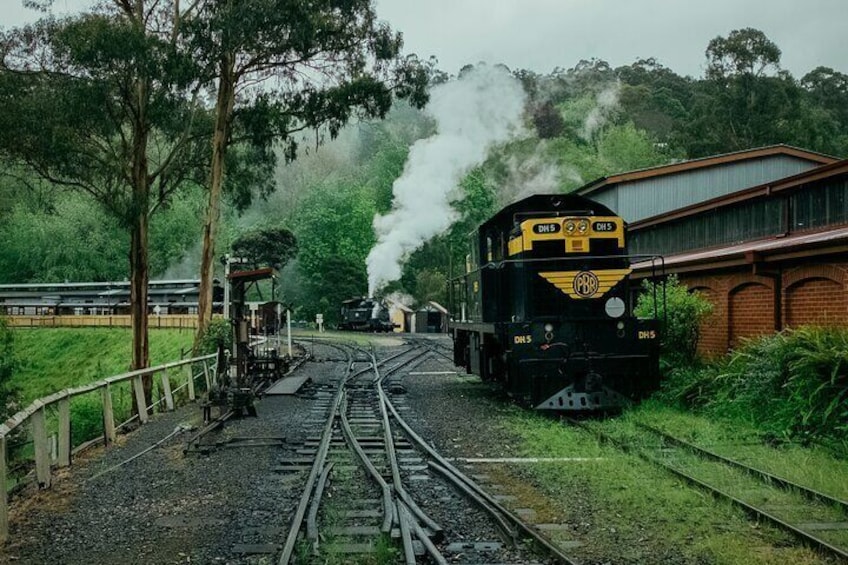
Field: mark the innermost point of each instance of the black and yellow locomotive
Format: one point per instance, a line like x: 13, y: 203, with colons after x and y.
x: 544, y: 307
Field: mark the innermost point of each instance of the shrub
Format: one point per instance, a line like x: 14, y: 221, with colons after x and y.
x: 218, y: 332
x: 817, y: 379
x: 680, y: 315
x: 792, y: 384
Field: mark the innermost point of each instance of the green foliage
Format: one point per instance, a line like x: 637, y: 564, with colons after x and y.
x: 218, y: 332
x: 60, y: 236
x: 67, y: 239
x: 743, y: 51
x: 680, y: 313
x: 792, y: 384
x: 271, y: 247
x: 339, y: 278
x: 8, y: 366
x: 334, y: 223
x: 625, y: 148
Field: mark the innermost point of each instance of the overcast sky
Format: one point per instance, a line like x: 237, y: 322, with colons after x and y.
x: 543, y: 34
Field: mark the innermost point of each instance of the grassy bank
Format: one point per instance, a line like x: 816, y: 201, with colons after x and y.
x: 617, y: 504
x: 791, y: 385
x: 52, y: 359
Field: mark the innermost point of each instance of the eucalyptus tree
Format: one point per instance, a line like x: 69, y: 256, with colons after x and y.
x: 104, y: 103
x: 269, y: 247
x: 280, y: 67
x: 746, y: 99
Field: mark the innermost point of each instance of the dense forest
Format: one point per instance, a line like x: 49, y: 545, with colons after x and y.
x: 578, y: 123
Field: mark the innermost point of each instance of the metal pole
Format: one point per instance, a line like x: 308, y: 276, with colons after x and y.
x: 227, y: 286
x: 288, y: 328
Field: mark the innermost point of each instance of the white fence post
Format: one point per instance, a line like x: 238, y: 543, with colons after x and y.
x: 108, y: 415
x: 138, y: 389
x: 166, y: 387
x: 190, y: 376
x: 42, y: 454
x: 206, y: 375
x: 64, y: 432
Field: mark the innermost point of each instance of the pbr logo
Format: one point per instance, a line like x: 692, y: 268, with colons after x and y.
x: 585, y: 284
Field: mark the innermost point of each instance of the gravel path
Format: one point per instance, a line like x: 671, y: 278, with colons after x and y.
x: 234, y: 505
x: 168, y: 508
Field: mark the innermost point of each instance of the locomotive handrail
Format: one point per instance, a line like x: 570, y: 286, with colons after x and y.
x: 35, y: 413
x: 498, y: 264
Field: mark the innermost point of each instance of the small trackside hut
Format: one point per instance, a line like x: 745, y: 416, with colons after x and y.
x: 544, y: 309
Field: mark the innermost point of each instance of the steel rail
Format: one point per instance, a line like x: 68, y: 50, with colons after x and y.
x: 318, y: 464
x: 434, y: 348
x: 405, y: 536
x: 435, y: 528
x: 404, y: 503
x: 372, y: 470
x: 317, y: 467
x: 803, y: 536
x: 456, y: 476
x: 193, y: 442
x: 422, y: 536
x: 312, y: 518
x: 765, y: 476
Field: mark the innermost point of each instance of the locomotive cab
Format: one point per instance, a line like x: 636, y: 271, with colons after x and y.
x: 544, y: 307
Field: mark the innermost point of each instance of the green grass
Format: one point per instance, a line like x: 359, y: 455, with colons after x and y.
x: 345, y: 486
x: 624, y: 508
x: 55, y: 359
x: 811, y: 466
x: 359, y: 338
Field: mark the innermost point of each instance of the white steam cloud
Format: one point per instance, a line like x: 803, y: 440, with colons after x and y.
x: 482, y: 108
x: 606, y: 102
x: 533, y: 174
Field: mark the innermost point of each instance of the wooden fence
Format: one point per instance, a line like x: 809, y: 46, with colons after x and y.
x: 174, y: 321
x: 36, y: 416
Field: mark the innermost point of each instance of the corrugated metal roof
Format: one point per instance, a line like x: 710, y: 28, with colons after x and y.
x: 692, y: 164
x: 788, y: 183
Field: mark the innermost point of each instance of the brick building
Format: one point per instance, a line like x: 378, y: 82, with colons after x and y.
x: 762, y: 234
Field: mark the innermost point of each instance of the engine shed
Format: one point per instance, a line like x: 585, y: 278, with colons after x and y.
x: 762, y: 234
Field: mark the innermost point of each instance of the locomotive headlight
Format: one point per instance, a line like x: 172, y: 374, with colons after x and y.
x: 569, y: 226
x: 549, y: 327
x: 614, y: 307
x: 583, y: 226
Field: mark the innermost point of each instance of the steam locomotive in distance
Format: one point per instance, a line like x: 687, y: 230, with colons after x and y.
x: 365, y: 315
x: 543, y: 307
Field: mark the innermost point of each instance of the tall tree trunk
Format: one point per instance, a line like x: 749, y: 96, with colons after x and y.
x: 220, y: 139
x: 139, y: 222
x: 139, y: 278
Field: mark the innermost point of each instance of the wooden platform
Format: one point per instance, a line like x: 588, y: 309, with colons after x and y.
x: 287, y: 385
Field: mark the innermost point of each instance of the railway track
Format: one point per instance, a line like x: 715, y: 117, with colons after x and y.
x: 364, y: 436
x: 812, y: 517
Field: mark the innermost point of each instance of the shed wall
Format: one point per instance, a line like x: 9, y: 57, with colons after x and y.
x: 642, y: 199
x: 805, y: 292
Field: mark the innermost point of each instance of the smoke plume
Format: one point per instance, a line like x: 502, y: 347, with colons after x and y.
x: 532, y: 174
x: 482, y: 108
x: 606, y: 103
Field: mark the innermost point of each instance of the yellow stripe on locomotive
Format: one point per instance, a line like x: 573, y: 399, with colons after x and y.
x: 585, y: 284
x: 575, y: 232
